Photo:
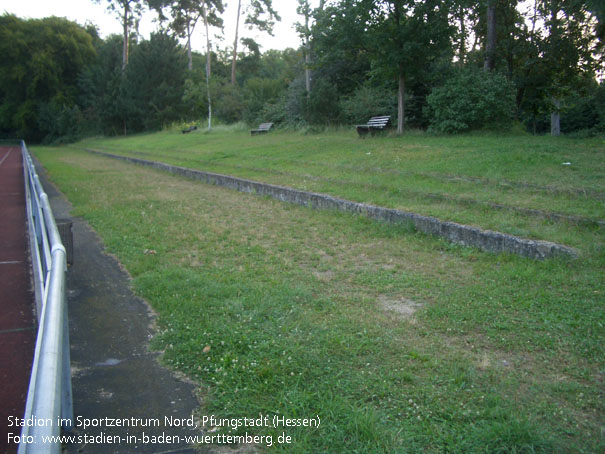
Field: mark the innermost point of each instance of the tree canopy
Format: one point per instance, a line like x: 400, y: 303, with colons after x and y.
x: 42, y: 60
x: 450, y: 66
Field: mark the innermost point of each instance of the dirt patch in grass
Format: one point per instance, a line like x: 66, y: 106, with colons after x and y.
x: 324, y: 276
x: 400, y: 307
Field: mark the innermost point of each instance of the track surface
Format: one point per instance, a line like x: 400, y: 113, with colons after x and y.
x: 17, y: 326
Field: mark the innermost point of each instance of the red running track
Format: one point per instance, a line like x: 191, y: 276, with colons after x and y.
x: 17, y: 321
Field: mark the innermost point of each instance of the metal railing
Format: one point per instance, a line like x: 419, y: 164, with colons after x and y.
x: 49, y: 405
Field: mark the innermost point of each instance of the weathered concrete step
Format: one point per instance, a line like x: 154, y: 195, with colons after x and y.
x: 457, y: 233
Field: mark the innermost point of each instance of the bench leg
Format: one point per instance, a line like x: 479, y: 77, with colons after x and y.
x: 362, y: 132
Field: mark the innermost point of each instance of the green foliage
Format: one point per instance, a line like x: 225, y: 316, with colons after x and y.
x: 41, y: 62
x: 586, y: 112
x: 148, y: 95
x: 60, y: 123
x: 261, y: 15
x: 227, y: 101
x: 366, y: 102
x: 297, y: 108
x: 153, y: 84
x: 339, y: 46
x: 259, y: 92
x: 60, y: 79
x: 100, y: 85
x: 322, y: 106
x: 195, y: 97
x: 471, y: 99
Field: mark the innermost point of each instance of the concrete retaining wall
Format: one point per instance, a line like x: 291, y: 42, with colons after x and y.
x: 456, y: 233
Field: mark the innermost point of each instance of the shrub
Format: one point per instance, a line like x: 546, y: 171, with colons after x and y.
x: 322, y: 106
x: 227, y: 101
x: 57, y: 122
x: 151, y: 90
x: 471, y: 99
x: 259, y: 93
x: 195, y: 97
x: 584, y: 115
x: 368, y: 102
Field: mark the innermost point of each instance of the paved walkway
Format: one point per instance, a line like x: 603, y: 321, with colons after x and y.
x: 114, y: 375
x: 17, y: 331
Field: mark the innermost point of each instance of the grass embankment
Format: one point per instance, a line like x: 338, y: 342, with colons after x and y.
x: 400, y: 342
x: 487, y: 181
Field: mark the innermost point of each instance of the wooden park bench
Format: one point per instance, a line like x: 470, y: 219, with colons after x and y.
x: 189, y: 129
x: 263, y: 128
x: 374, y: 125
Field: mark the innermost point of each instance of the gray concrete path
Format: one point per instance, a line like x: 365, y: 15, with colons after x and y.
x: 114, y: 373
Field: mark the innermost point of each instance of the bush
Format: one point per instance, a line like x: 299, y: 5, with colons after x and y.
x: 368, y: 102
x: 259, y: 93
x: 471, y: 99
x: 151, y: 90
x: 584, y: 115
x: 59, y: 123
x: 322, y: 106
x: 227, y: 101
x: 195, y: 97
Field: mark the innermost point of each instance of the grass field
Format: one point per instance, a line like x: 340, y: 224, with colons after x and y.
x: 400, y: 342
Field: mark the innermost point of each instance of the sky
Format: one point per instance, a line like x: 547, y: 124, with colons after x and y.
x: 83, y: 11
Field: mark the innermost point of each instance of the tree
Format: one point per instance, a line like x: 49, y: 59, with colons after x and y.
x: 339, y: 39
x: 41, y: 63
x: 100, y: 86
x: 405, y: 37
x: 261, y: 15
x: 153, y: 85
x: 304, y: 9
x: 129, y: 12
x: 472, y: 99
x: 304, y: 30
x: 567, y: 50
x: 185, y: 15
x: 490, y: 44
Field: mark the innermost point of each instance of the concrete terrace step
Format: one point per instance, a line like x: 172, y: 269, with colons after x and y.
x: 486, y: 240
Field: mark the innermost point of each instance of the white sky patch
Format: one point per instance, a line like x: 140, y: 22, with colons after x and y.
x: 83, y: 11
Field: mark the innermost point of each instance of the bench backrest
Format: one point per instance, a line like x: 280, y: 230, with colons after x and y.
x: 265, y: 126
x: 379, y: 122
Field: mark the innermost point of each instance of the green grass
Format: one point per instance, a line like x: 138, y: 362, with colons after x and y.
x: 481, y: 180
x: 400, y: 342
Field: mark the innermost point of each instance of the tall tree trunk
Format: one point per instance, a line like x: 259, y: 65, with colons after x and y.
x: 533, y: 22
x: 555, y: 118
x: 208, y: 67
x: 208, y: 46
x: 189, y: 56
x: 462, y: 51
x: 401, y: 102
x: 307, y: 57
x: 555, y: 34
x: 233, y: 63
x: 308, y: 71
x: 125, y: 44
x: 490, y: 46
